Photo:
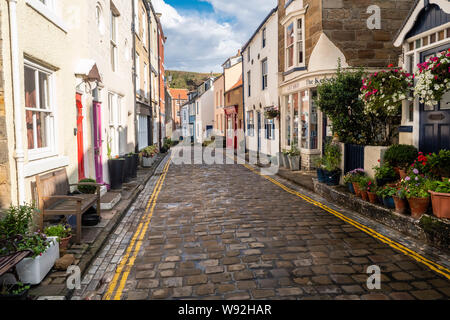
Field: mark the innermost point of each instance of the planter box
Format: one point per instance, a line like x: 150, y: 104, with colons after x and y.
x: 441, y: 204
x: 147, y: 162
x: 294, y: 163
x: 33, y: 271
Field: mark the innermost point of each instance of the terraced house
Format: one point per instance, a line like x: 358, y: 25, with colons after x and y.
x: 313, y: 36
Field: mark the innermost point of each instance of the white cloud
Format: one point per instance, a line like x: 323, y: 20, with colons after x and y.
x: 202, y: 42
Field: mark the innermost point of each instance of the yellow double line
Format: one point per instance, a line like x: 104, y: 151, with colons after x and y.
x: 123, y: 270
x: 397, y: 246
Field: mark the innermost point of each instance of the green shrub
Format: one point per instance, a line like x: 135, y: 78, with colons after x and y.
x: 60, y: 231
x: 439, y: 164
x: 17, y: 220
x: 332, y: 158
x: 401, y: 155
x: 385, y: 172
x: 87, y: 189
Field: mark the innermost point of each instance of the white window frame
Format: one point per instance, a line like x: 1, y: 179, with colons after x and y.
x: 138, y: 74
x: 146, y: 80
x: 264, y: 73
x: 249, y: 81
x: 264, y: 37
x: 300, y: 42
x: 296, y: 44
x: 48, y: 8
x: 144, y: 29
x: 251, y: 123
x: 113, y: 40
x: 115, y: 120
x: 292, y: 46
x: 50, y: 150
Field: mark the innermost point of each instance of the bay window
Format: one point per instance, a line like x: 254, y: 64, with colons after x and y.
x: 290, y: 45
x: 38, y: 110
x: 295, y: 44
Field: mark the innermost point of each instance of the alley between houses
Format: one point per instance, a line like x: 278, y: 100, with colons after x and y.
x: 225, y: 232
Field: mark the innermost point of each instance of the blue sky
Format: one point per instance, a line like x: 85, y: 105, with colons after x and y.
x: 202, y: 34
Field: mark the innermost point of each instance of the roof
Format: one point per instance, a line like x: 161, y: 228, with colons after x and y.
x: 181, y: 94
x: 259, y: 28
x: 237, y: 84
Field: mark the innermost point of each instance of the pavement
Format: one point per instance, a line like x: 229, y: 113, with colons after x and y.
x: 226, y: 232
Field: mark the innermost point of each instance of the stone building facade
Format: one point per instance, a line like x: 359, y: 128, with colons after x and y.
x: 5, y: 188
x: 313, y: 36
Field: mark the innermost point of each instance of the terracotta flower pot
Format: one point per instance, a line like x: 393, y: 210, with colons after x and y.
x: 64, y: 243
x: 418, y: 206
x: 401, y: 205
x: 402, y: 174
x: 441, y: 204
x: 397, y: 170
x: 357, y: 191
x: 373, y: 198
x: 364, y: 195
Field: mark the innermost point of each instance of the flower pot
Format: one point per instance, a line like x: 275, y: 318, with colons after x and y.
x: 14, y: 297
x: 373, y: 198
x: 64, y: 243
x: 418, y: 206
x: 389, y: 202
x: 401, y: 205
x: 321, y: 176
x: 356, y: 187
x: 364, y: 195
x: 384, y: 181
x: 285, y: 161
x: 294, y: 163
x: 351, y: 188
x: 333, y: 177
x: 134, y: 165
x: 116, y: 168
x: 402, y: 173
x: 441, y: 204
x: 147, y: 162
x: 33, y: 271
x: 397, y: 171
x: 127, y: 169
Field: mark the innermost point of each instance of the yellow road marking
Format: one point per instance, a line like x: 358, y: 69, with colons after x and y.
x: 140, y: 232
x: 397, y: 246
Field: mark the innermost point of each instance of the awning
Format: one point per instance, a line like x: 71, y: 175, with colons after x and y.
x: 88, y: 70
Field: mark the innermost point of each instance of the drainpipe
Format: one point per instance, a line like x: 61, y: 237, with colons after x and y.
x: 149, y: 24
x: 159, y: 90
x: 19, y: 154
x: 133, y: 30
x: 243, y: 103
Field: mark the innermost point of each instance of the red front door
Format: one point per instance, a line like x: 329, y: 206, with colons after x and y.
x: 81, y: 174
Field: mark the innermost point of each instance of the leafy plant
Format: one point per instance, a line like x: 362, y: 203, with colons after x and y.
x: 332, y: 158
x: 416, y: 185
x: 439, y: 164
x: 17, y: 220
x: 60, y: 231
x: 13, y: 289
x: 271, y: 113
x: 87, y: 189
x: 354, y: 175
x: 294, y: 152
x: 400, y: 155
x: 318, y: 162
x: 108, y: 147
x: 149, y: 152
x: 385, y: 171
x: 366, y: 183
x: 387, y: 191
x: 440, y: 186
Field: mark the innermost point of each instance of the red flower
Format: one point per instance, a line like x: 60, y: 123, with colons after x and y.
x: 391, y: 65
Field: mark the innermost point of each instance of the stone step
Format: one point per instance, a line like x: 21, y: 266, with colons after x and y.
x: 110, y: 200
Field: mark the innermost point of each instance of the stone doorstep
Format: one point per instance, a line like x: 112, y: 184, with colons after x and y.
x: 110, y: 200
x: 401, y: 223
x: 52, y: 287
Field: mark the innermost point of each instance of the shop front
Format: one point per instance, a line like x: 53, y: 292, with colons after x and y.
x: 303, y: 125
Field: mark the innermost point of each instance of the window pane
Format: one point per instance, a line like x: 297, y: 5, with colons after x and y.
x: 30, y: 134
x: 296, y: 119
x: 314, y: 123
x: 288, y: 120
x: 44, y: 91
x: 42, y: 122
x: 300, y: 40
x: 30, y: 88
x: 305, y: 121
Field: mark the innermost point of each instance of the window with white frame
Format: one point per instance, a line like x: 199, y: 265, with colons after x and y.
x: 300, y: 46
x: 138, y: 73
x: 269, y: 126
x: 264, y: 71
x: 250, y: 123
x: 264, y: 38
x: 115, y: 120
x: 39, y: 109
x: 144, y: 29
x: 290, y: 45
x: 146, y: 80
x: 113, y: 41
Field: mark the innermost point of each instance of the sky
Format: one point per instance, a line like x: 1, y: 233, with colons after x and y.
x: 202, y: 34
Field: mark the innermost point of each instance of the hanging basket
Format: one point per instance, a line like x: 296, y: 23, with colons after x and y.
x: 272, y: 113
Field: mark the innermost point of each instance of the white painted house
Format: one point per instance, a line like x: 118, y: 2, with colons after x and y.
x: 204, y: 111
x: 260, y: 72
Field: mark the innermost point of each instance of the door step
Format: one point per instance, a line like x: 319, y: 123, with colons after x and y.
x: 110, y: 200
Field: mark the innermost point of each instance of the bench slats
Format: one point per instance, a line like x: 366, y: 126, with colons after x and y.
x: 8, y: 262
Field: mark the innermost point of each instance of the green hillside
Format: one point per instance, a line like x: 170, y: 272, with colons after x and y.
x: 187, y: 80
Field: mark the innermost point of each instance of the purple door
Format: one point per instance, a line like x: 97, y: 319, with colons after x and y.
x: 98, y: 142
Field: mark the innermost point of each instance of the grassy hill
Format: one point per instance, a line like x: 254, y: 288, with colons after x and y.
x: 187, y: 80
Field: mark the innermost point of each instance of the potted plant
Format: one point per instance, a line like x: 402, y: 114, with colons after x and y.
x: 14, y: 292
x: 332, y: 161
x: 285, y: 155
x: 401, y: 204
x: 271, y: 113
x: 384, y: 174
x: 439, y: 165
x: 352, y: 177
x: 294, y: 158
x: 364, y: 184
x: 134, y: 164
x: 440, y: 198
x: 116, y: 168
x: 148, y: 155
x: 386, y: 193
x: 400, y: 156
x: 87, y: 189
x: 416, y: 188
x: 372, y: 191
x: 62, y: 233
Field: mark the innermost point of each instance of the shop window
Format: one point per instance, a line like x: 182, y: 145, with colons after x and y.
x: 288, y: 120
x: 314, y: 129
x: 296, y: 118
x: 425, y: 41
x: 432, y: 38
x: 441, y: 35
x: 304, y: 120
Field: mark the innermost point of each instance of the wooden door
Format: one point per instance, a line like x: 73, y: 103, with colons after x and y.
x: 80, y: 143
x: 435, y: 120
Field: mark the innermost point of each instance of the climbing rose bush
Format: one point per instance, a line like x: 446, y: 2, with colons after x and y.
x: 433, y: 79
x: 383, y: 92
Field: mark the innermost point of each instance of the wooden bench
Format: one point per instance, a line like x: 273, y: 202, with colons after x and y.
x: 10, y: 261
x: 54, y: 199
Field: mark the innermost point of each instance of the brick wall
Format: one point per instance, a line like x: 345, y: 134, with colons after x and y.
x: 345, y: 23
x: 5, y: 191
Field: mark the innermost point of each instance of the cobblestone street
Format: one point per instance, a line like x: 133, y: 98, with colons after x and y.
x: 224, y: 232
